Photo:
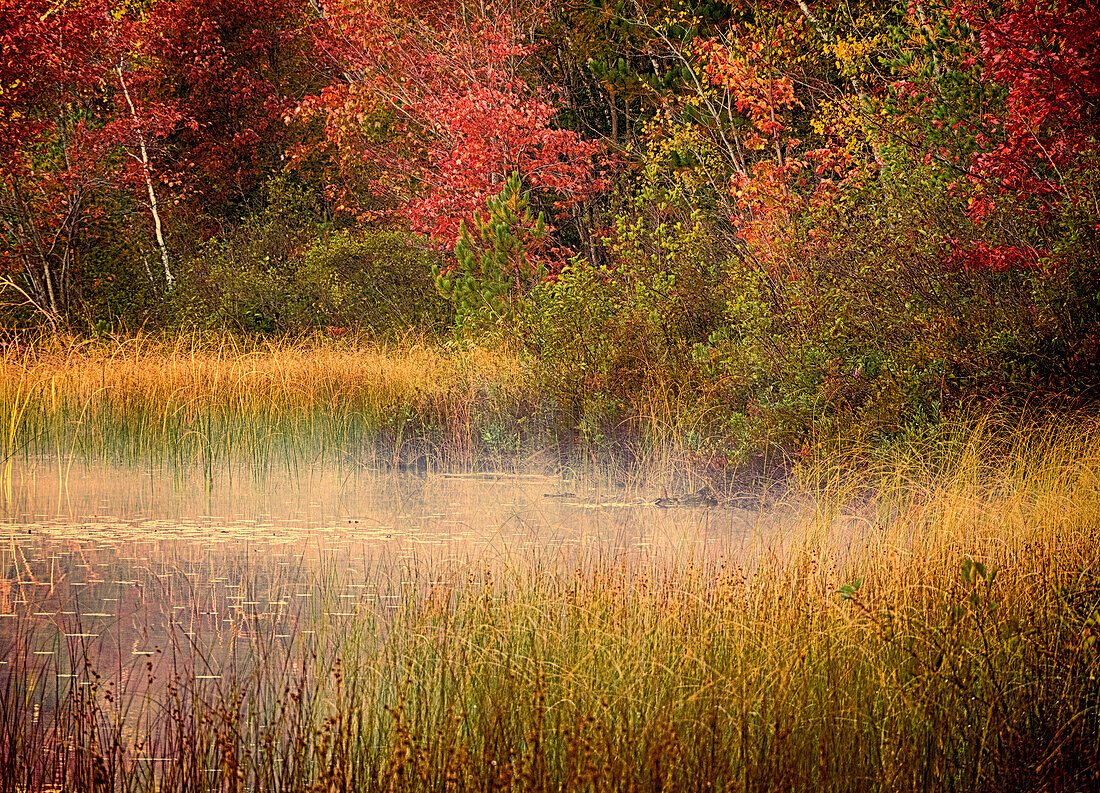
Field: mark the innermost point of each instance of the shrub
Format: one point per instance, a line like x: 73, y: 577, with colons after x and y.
x: 285, y: 270
x: 616, y: 340
x: 858, y: 325
x: 378, y: 280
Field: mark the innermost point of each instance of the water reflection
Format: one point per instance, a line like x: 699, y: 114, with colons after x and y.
x: 131, y: 585
x: 354, y: 506
x: 116, y: 562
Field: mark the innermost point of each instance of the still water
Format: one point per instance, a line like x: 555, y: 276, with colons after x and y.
x: 106, y: 566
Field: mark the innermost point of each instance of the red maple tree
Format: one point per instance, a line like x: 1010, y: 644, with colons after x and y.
x: 1027, y: 153
x: 225, y: 71
x: 53, y: 60
x: 436, y: 110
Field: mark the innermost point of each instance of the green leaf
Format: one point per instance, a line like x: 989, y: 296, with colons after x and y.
x: 848, y: 591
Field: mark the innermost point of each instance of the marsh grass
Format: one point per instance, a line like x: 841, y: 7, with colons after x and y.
x: 214, y: 402
x: 931, y: 626
x: 198, y: 399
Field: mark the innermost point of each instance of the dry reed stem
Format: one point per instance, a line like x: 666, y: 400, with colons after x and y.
x: 293, y: 376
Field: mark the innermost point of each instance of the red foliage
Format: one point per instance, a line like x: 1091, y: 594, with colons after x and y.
x: 53, y: 59
x: 784, y: 185
x: 1037, y: 152
x: 1047, y: 55
x: 741, y: 67
x: 184, y: 102
x: 981, y: 256
x: 775, y: 198
x: 436, y: 105
x: 47, y: 59
x: 221, y: 69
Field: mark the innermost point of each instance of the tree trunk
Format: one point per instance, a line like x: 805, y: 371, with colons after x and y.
x: 169, y: 280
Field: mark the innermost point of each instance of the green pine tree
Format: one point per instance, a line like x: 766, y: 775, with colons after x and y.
x: 493, y: 265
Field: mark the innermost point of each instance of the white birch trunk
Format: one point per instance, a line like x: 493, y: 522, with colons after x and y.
x: 169, y: 280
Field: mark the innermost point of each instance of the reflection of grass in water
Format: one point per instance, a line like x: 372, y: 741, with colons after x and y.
x: 939, y: 633
x: 209, y: 401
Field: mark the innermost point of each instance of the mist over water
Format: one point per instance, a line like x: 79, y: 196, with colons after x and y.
x: 258, y: 625
x: 467, y: 516
x: 114, y: 569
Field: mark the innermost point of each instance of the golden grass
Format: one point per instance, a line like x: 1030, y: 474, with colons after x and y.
x: 267, y: 377
x: 198, y: 398
x: 933, y: 625
x: 140, y: 394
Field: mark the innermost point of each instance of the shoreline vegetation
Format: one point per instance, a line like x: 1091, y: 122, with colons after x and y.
x: 405, y: 403
x: 927, y: 626
x: 144, y: 396
x: 415, y: 401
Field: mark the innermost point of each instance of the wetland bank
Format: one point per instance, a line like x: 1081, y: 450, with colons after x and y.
x: 241, y: 583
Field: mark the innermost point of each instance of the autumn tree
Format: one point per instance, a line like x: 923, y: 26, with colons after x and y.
x: 436, y: 111
x: 1000, y: 101
x: 54, y: 59
x: 227, y: 71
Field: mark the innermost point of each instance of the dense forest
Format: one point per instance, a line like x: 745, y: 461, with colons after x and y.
x: 792, y: 220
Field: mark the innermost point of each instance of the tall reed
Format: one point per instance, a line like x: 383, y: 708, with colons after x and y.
x: 140, y: 397
x: 931, y: 626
